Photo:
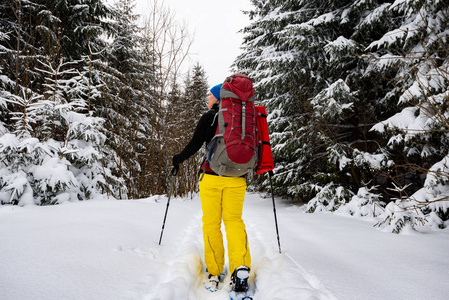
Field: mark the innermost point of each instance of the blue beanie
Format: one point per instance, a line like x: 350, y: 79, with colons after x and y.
x: 216, y: 91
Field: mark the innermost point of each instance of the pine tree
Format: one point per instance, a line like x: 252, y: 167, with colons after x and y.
x: 414, y: 52
x: 306, y: 60
x: 52, y: 141
x: 328, y: 71
x: 127, y: 103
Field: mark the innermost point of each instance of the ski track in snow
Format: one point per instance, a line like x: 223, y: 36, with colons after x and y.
x: 273, y: 275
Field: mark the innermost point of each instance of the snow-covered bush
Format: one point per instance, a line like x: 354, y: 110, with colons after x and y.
x: 365, y: 204
x: 54, y: 151
x: 433, y: 198
x: 14, y: 183
x: 401, y: 214
x: 329, y: 198
x: 14, y: 188
x: 53, y: 182
x: 47, y: 173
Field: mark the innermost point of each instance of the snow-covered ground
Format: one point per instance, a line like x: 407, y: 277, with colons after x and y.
x: 107, y: 249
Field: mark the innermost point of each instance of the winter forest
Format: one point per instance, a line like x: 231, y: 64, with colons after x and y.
x: 94, y: 102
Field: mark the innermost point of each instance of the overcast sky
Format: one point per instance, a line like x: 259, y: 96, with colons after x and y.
x: 215, y: 25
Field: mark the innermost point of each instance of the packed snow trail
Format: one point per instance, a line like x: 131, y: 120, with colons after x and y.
x: 273, y: 275
x: 108, y: 249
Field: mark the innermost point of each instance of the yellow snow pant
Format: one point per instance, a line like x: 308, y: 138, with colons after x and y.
x: 222, y: 199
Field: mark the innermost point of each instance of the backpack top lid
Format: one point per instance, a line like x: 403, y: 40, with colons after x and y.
x: 240, y: 85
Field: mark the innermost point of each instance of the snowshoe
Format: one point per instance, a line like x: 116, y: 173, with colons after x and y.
x: 212, y: 284
x: 239, y: 279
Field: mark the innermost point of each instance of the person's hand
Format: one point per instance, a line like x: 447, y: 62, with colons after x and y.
x: 175, y: 170
x: 176, y: 160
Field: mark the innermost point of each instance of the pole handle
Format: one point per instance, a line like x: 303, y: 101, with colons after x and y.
x: 175, y: 170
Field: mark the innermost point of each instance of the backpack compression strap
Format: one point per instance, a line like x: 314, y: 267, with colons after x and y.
x: 224, y: 93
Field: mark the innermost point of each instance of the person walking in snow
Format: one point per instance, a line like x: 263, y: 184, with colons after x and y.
x: 221, y: 200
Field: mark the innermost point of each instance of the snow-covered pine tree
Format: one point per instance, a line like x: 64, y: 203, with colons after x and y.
x: 62, y: 158
x: 414, y: 53
x: 18, y: 150
x: 306, y: 59
x: 67, y: 138
x: 127, y: 104
x: 86, y: 132
x: 53, y: 144
x: 328, y: 70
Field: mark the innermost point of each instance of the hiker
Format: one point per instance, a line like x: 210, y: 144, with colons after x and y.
x: 221, y: 199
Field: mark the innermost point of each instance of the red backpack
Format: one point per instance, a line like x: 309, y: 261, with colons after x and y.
x: 242, y: 132
x: 233, y: 150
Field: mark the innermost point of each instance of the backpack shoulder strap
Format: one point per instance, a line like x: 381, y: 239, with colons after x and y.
x: 224, y: 93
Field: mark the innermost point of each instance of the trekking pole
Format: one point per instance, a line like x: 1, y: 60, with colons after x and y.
x: 270, y: 173
x: 174, y: 171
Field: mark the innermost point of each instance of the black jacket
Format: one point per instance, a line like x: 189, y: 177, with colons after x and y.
x: 204, y: 132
